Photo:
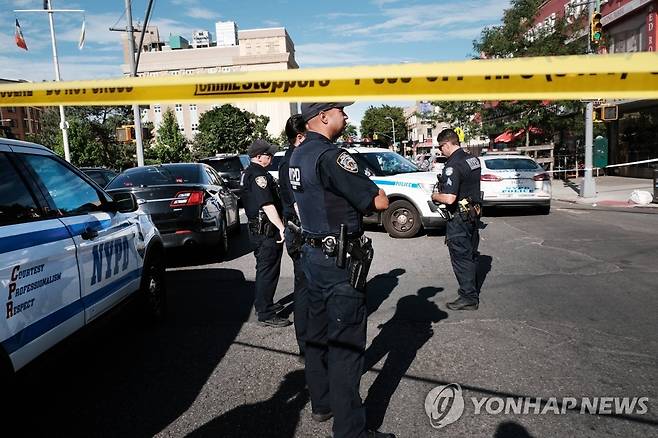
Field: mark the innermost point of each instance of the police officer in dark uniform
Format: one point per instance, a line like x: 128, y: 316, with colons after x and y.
x: 295, y: 132
x: 332, y: 194
x: 263, y: 208
x: 459, y: 191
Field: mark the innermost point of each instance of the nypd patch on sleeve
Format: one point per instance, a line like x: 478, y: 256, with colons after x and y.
x: 261, y: 181
x: 345, y: 161
x: 473, y: 163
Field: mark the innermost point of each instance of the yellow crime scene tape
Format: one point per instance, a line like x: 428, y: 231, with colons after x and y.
x: 618, y: 76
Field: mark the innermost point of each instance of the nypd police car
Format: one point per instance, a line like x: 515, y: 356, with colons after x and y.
x: 409, y: 191
x: 69, y: 252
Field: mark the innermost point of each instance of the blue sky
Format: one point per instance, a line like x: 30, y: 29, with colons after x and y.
x: 356, y: 32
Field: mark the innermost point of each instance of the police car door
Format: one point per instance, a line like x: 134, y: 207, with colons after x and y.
x: 107, y: 242
x: 39, y: 282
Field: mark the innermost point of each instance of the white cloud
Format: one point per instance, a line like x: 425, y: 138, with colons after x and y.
x: 272, y: 23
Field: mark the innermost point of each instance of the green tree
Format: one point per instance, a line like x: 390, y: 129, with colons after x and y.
x: 517, y: 37
x: 170, y: 144
x: 350, y: 132
x: 228, y: 129
x: 92, y: 135
x: 375, y: 121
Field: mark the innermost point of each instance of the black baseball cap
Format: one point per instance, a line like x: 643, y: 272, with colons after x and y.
x: 312, y: 109
x: 261, y: 147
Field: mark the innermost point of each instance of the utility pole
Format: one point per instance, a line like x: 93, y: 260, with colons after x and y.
x: 587, y: 186
x: 133, y: 71
x: 393, y: 123
x: 51, y: 19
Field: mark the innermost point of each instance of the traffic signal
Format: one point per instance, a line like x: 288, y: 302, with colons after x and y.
x: 596, y: 28
x: 605, y: 113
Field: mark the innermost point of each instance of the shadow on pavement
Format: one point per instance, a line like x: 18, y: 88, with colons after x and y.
x: 483, y: 269
x: 277, y: 416
x: 380, y: 287
x: 120, y: 380
x: 400, y: 338
x: 510, y: 429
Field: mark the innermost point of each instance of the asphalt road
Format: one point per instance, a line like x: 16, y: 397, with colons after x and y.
x: 568, y: 309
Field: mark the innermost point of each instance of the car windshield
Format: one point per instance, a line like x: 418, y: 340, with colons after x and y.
x: 232, y: 164
x: 156, y: 175
x: 511, y: 164
x: 386, y: 163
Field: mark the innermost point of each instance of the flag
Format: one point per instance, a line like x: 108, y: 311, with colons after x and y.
x: 18, y: 36
x: 45, y: 4
x: 81, y: 42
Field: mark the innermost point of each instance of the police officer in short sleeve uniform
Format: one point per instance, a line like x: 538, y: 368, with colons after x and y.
x: 330, y: 189
x: 295, y: 132
x: 460, y: 191
x: 263, y: 208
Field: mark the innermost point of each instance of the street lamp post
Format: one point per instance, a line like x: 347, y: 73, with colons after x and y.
x: 392, y: 123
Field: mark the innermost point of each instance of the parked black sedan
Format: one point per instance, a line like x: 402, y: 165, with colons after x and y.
x: 188, y: 202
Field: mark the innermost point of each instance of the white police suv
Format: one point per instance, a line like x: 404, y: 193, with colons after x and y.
x: 69, y: 252
x: 409, y: 191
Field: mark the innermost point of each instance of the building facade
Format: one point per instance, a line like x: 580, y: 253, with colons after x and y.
x: 18, y: 121
x: 254, y: 50
x: 628, y: 26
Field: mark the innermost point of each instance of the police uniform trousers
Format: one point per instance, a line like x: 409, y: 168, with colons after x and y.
x: 268, y: 267
x: 463, y: 239
x: 335, y: 343
x: 294, y: 249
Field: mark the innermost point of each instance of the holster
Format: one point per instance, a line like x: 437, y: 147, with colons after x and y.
x: 262, y: 225
x: 360, y: 258
x: 296, y: 232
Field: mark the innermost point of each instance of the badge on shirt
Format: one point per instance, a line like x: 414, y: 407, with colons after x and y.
x: 261, y: 181
x: 448, y: 171
x: 473, y: 163
x: 346, y: 161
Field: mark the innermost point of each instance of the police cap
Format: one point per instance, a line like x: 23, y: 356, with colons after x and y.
x: 312, y: 109
x: 260, y: 147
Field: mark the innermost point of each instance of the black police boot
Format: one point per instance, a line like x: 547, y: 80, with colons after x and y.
x: 277, y: 307
x: 275, y: 321
x: 321, y: 418
x: 377, y: 434
x: 462, y: 303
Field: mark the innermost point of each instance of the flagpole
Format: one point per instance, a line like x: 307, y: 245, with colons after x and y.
x: 64, y: 126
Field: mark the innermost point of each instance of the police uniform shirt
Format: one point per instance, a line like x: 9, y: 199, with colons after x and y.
x: 461, y: 176
x: 287, y: 198
x: 338, y: 173
x: 258, y: 189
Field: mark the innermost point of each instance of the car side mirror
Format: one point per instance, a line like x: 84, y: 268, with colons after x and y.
x: 124, y: 202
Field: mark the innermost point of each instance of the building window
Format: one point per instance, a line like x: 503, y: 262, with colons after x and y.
x: 189, y: 72
x: 157, y: 109
x: 11, y: 109
x: 226, y: 69
x: 195, y: 127
x: 179, y: 108
x: 193, y: 107
x: 181, y: 128
x: 429, y: 132
x: 175, y: 72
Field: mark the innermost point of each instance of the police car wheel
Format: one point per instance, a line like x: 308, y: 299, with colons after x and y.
x: 545, y: 209
x: 402, y: 220
x: 153, y: 291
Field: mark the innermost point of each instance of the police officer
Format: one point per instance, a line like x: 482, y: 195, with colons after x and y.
x: 460, y: 192
x: 331, y: 190
x: 295, y: 132
x: 263, y: 208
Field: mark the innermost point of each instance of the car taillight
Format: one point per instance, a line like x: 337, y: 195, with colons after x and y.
x: 542, y: 177
x: 185, y: 199
x: 489, y: 177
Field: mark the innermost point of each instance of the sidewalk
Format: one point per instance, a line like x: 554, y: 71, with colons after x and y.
x: 611, y: 191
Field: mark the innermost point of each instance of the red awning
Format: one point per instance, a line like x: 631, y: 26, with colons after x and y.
x: 508, y: 136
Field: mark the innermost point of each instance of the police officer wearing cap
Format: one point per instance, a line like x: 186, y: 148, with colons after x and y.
x: 263, y: 208
x: 331, y: 190
x: 295, y: 132
x: 459, y: 190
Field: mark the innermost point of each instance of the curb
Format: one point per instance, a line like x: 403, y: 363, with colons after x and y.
x: 609, y: 205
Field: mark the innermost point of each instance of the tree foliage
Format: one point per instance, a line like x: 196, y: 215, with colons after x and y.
x: 516, y: 37
x: 170, y: 144
x: 228, y: 129
x: 350, y: 132
x: 375, y: 121
x: 92, y: 135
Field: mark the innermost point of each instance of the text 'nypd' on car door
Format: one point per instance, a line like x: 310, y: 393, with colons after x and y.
x: 39, y: 279
x: 106, y: 241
